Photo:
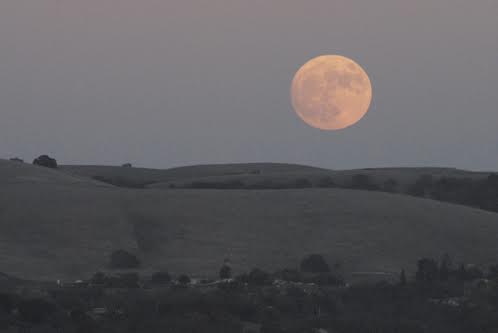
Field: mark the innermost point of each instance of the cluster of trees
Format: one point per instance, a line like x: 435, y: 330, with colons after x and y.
x: 46, y: 161
x: 359, y: 181
x: 42, y: 160
x: 254, y: 302
x: 480, y: 193
x: 122, y: 259
x: 234, y: 184
x: 430, y: 270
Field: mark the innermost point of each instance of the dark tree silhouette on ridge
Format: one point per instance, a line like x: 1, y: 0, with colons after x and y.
x: 46, y: 161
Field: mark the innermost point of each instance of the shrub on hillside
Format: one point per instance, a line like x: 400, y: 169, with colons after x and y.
x: 98, y: 278
x: 122, y: 259
x: 184, y: 280
x: 314, y: 263
x: 427, y: 270
x: 45, y: 161
x: 258, y: 277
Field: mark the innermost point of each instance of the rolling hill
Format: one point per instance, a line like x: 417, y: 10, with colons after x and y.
x: 58, y: 225
x: 257, y: 173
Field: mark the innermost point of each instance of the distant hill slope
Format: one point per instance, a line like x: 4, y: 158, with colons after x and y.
x: 256, y: 173
x: 56, y: 228
x: 209, y: 170
x: 152, y: 176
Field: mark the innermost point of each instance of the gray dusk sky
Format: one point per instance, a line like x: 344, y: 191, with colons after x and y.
x: 163, y: 83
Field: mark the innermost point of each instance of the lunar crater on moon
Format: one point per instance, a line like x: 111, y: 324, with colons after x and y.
x: 331, y: 92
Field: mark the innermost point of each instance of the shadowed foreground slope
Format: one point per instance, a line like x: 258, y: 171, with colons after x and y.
x: 55, y: 229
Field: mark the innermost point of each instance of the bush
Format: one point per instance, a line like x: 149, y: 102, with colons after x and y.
x: 46, y: 161
x: 469, y: 273
x: 98, y: 278
x: 122, y: 259
x: 184, y: 279
x: 258, y: 277
x: 314, y: 263
x: 427, y: 270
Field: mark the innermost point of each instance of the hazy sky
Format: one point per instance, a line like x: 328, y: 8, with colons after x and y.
x: 163, y: 83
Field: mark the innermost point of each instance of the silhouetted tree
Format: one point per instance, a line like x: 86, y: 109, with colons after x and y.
x: 98, y: 278
x: 45, y: 161
x: 258, y: 277
x: 469, y: 273
x: 314, y: 263
x: 493, y: 272
x: 184, y: 279
x: 225, y: 272
x: 122, y: 259
x: 427, y: 270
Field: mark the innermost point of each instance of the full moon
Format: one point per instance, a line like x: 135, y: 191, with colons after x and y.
x: 331, y: 92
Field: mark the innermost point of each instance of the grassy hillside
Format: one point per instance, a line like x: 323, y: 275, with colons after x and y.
x: 53, y: 228
x: 253, y: 174
x: 141, y: 177
x: 23, y: 173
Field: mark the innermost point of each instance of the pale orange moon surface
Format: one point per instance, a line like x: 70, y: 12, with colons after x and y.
x: 331, y: 92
